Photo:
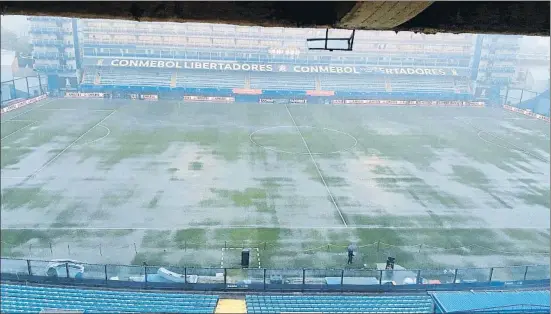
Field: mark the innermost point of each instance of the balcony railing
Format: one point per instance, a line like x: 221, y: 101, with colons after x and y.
x: 50, y: 30
x: 53, y: 68
x: 46, y: 42
x: 46, y: 55
x: 268, y: 279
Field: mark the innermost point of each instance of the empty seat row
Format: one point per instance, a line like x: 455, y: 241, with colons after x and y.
x: 282, y: 81
x: 107, y: 293
x: 329, y: 297
x: 210, y: 79
x: 6, y: 287
x: 333, y: 298
x: 345, y: 301
x: 114, y: 302
x: 22, y: 299
x: 87, y: 306
x: 340, y: 304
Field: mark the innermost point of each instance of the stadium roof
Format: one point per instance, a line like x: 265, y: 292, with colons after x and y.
x: 511, y: 17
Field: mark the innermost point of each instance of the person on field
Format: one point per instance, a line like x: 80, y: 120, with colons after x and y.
x: 350, y: 250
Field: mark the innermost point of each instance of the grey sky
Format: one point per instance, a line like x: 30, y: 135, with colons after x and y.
x: 15, y: 23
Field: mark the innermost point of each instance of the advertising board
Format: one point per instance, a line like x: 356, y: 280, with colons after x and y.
x: 209, y: 99
x: 84, y: 95
x: 22, y: 103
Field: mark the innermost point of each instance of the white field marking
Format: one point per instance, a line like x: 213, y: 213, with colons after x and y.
x: 496, y: 119
x: 73, y: 109
x: 317, y: 168
x: 520, y: 119
x: 26, y: 126
x: 34, y: 108
x: 98, y: 139
x: 4, y: 177
x: 513, y: 146
x: 296, y: 153
x: 18, y: 147
x: 17, y: 120
x: 172, y: 228
x: 490, y: 142
x: 510, y: 146
x: 66, y: 148
x: 226, y: 125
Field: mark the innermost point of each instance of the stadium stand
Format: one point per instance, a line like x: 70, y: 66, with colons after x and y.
x: 339, y: 304
x: 492, y: 302
x: 420, y: 84
x: 208, y: 79
x: 285, y: 81
x: 352, y: 83
x: 134, y: 77
x: 24, y: 299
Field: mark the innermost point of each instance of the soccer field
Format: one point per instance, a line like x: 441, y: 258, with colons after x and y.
x: 119, y: 181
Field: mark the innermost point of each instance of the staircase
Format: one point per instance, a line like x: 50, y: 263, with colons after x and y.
x: 97, y: 79
x: 173, y: 79
x: 231, y: 306
x: 247, y: 81
x: 318, y: 83
x: 388, y: 86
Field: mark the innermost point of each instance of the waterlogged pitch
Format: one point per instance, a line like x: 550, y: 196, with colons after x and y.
x: 193, y: 183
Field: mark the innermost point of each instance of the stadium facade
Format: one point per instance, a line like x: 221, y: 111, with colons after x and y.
x: 174, y: 59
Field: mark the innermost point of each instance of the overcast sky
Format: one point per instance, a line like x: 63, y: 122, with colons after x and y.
x: 15, y: 23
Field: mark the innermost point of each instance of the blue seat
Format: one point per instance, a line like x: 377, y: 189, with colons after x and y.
x: 31, y: 298
x: 341, y: 304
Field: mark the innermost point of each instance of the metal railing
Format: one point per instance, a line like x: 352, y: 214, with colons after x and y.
x: 334, y: 252
x: 23, y: 88
x: 268, y: 278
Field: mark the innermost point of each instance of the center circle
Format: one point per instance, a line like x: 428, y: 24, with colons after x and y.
x: 303, y: 140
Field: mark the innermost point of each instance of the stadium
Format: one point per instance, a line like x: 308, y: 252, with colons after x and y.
x: 207, y: 157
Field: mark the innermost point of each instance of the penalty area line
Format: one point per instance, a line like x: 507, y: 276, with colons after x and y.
x: 69, y: 146
x: 26, y: 126
x: 22, y: 113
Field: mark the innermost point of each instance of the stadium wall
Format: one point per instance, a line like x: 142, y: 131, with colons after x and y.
x: 21, y: 103
x: 538, y: 105
x: 254, y: 95
x: 285, y: 97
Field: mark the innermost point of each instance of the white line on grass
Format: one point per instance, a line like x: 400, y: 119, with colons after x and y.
x: 72, y: 109
x: 317, y: 168
x: 26, y: 126
x: 510, y: 146
x: 513, y: 146
x: 172, y: 228
x: 101, y: 138
x: 22, y: 113
x: 66, y: 148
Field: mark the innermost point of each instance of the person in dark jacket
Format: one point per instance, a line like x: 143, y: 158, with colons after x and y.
x: 351, y: 254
